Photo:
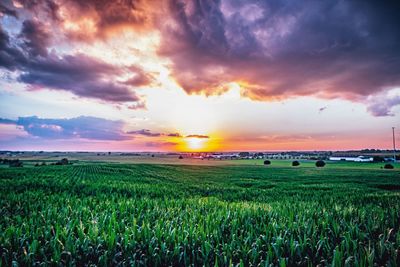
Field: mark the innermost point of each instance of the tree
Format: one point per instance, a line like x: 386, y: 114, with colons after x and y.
x: 180, y: 157
x: 378, y: 159
x: 15, y: 163
x: 295, y: 163
x: 320, y: 163
x: 64, y: 161
x: 388, y: 166
x: 267, y: 162
x: 244, y: 154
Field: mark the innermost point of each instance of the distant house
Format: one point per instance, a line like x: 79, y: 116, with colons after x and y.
x: 353, y: 159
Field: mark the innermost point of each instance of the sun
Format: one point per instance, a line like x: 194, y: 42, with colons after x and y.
x: 195, y: 144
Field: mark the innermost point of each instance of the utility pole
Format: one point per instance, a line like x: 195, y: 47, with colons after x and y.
x: 394, y: 146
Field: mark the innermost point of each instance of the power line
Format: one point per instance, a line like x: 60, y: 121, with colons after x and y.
x: 394, y: 146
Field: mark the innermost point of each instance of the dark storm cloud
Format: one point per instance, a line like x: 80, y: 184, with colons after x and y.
x: 79, y: 127
x: 106, y: 15
x: 5, y: 10
x: 112, y: 13
x: 36, y: 38
x: 48, y: 7
x: 80, y: 74
x: 274, y: 49
x: 279, y: 49
x: 10, y: 56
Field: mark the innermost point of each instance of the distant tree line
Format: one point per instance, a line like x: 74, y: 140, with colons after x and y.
x: 12, y: 162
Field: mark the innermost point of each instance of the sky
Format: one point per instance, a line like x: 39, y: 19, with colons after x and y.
x: 175, y: 75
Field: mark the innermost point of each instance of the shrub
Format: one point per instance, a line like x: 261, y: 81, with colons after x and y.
x: 64, y: 161
x: 378, y: 159
x: 388, y: 166
x: 15, y: 163
x: 244, y: 154
x: 320, y: 163
x: 295, y: 163
x: 267, y: 162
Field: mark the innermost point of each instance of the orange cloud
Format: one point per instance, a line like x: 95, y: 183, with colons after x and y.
x: 198, y: 136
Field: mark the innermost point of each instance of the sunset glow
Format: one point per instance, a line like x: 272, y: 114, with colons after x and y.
x: 196, y: 144
x: 244, y: 75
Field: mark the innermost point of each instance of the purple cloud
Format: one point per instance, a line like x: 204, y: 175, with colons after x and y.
x: 80, y: 127
x: 148, y: 133
x: 174, y: 135
x: 5, y: 10
x: 381, y: 106
x: 80, y: 74
x: 273, y: 49
x: 36, y: 38
x: 276, y: 50
x: 144, y: 132
x: 10, y: 56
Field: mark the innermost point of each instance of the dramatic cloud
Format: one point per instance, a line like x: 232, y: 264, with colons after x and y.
x: 346, y: 49
x: 36, y: 38
x: 91, y: 19
x: 4, y: 10
x: 80, y: 127
x: 272, y: 49
x: 80, y: 74
x: 113, y: 13
x: 10, y: 56
x: 40, y: 7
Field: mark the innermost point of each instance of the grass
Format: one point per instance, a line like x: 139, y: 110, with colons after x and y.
x: 307, y: 163
x: 162, y: 215
x: 31, y: 160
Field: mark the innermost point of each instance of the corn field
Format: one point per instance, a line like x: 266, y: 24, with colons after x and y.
x: 162, y: 215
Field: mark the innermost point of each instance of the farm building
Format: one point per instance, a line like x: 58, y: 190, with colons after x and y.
x: 354, y: 159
